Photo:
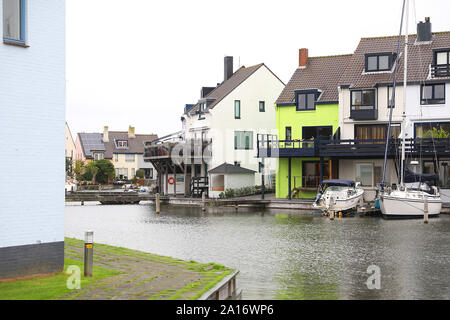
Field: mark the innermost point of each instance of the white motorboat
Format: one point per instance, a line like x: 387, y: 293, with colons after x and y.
x: 338, y: 196
x: 416, y: 196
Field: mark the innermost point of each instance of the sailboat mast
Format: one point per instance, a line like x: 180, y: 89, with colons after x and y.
x: 392, y: 102
x: 405, y: 78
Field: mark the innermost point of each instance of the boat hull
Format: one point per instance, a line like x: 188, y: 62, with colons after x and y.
x: 339, y: 205
x: 397, y: 207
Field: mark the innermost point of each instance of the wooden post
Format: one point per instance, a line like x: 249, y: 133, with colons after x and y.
x: 289, y: 177
x: 203, y: 201
x: 425, y: 209
x: 262, y: 179
x: 158, y: 204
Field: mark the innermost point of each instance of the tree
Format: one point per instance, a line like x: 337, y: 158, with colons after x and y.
x: 79, y: 170
x: 105, y: 170
x: 92, y: 170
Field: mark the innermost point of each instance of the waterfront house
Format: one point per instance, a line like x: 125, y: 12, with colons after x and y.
x: 32, y: 103
x: 222, y: 128
x: 306, y: 110
x: 125, y: 150
x: 364, y: 92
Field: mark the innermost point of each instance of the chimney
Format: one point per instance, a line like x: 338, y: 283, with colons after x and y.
x: 105, y: 134
x: 424, y: 30
x: 228, y: 68
x: 303, y: 57
x: 131, y: 132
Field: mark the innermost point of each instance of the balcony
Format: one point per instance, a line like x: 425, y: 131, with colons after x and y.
x: 268, y: 146
x: 180, y: 150
x: 440, y: 70
x: 363, y: 114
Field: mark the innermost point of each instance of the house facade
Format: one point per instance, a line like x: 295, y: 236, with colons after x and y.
x: 231, y: 116
x: 307, y: 109
x: 33, y: 119
x: 125, y: 150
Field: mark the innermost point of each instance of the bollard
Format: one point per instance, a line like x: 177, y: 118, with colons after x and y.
x: 203, y: 201
x: 340, y: 214
x: 88, y: 253
x: 158, y: 204
x: 425, y: 209
x: 331, y: 215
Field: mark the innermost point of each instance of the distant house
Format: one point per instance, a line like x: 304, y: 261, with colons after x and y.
x: 70, y: 146
x: 32, y: 104
x: 124, y: 149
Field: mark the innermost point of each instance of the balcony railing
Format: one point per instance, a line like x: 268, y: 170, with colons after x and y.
x: 167, y: 149
x: 440, y: 70
x: 363, y: 114
x: 270, y: 146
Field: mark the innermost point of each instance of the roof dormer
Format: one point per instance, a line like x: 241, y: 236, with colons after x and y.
x: 379, y: 62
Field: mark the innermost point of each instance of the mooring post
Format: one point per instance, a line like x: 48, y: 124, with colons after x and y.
x: 88, y: 253
x: 332, y: 215
x: 425, y: 209
x: 203, y: 201
x: 158, y: 204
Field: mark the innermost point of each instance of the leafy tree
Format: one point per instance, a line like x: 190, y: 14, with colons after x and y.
x: 69, y: 167
x: 79, y: 170
x: 105, y: 170
x: 93, y: 170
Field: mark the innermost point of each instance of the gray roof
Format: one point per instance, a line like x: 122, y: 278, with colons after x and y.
x: 232, y: 83
x: 135, y: 145
x: 91, y: 142
x: 226, y: 168
x: 419, y: 59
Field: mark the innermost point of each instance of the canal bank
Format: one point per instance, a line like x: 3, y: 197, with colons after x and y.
x: 124, y: 274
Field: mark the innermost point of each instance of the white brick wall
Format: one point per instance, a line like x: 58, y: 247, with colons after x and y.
x: 32, y: 129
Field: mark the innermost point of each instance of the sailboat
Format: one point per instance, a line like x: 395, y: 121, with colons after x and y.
x: 415, y: 196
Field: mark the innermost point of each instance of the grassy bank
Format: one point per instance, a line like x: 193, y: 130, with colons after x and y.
x: 120, y: 273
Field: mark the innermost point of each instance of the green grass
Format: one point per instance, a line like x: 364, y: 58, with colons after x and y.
x: 49, y: 287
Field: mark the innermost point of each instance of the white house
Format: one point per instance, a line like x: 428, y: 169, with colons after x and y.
x: 365, y: 89
x: 231, y: 115
x: 32, y: 126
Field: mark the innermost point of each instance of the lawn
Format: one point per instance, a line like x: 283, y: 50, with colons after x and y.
x: 49, y: 287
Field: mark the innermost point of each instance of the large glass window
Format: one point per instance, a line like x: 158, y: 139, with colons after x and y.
x: 364, y: 174
x: 376, y: 132
x: 243, y: 140
x: 14, y: 20
x: 316, y: 132
x: 311, y: 173
x: 363, y: 99
x: 432, y: 130
x: 432, y: 94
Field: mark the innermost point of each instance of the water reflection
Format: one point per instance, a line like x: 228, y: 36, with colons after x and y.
x: 284, y: 254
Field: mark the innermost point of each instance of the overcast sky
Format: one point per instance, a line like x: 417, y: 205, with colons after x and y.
x: 138, y: 62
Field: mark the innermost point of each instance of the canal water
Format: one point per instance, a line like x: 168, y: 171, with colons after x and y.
x: 285, y: 254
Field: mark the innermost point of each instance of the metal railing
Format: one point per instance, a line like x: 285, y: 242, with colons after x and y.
x: 440, y: 70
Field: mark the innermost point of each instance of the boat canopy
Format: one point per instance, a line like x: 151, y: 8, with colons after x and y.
x: 411, y: 176
x: 338, y: 182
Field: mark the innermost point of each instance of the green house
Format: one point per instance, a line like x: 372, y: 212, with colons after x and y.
x: 306, y: 111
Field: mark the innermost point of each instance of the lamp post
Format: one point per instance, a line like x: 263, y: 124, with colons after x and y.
x: 88, y: 253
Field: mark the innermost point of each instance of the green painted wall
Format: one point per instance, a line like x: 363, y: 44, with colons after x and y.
x: 287, y: 116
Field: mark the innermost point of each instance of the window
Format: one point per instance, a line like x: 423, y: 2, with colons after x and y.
x: 260, y: 167
x: 288, y: 133
x: 306, y: 99
x: 151, y: 173
x: 376, y: 132
x: 262, y: 106
x: 363, y: 99
x: 98, y: 156
x: 122, y: 144
x: 14, y: 20
x: 116, y: 157
x: 129, y: 157
x: 237, y: 109
x: 364, y: 174
x: 442, y: 57
x: 316, y: 132
x: 428, y: 130
x: 379, y: 62
x: 389, y: 96
x: 122, y: 173
x: 432, y: 94
x: 311, y: 173
x: 243, y: 140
